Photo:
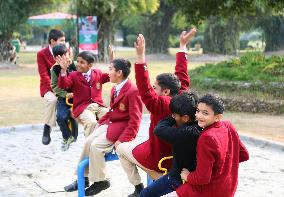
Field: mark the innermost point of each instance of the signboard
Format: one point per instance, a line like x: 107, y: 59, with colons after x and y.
x: 88, y: 34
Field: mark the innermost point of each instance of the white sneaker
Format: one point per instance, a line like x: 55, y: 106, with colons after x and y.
x: 64, y: 145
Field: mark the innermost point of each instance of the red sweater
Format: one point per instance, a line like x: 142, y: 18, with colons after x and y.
x: 124, y: 116
x: 45, y: 61
x: 151, y: 151
x: 84, y: 93
x: 219, y: 152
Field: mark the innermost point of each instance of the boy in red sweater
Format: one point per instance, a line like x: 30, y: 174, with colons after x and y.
x: 219, y: 152
x: 86, y: 85
x: 156, y: 99
x: 45, y: 60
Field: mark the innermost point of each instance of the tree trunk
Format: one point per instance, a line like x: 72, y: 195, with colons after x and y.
x: 273, y: 28
x: 157, y: 29
x: 221, y: 36
x: 105, y: 38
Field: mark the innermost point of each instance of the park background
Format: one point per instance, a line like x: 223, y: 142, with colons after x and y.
x: 237, y: 52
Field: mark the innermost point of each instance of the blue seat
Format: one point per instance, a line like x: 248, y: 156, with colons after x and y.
x: 84, y: 163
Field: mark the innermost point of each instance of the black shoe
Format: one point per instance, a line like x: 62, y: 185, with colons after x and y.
x: 74, y: 129
x: 74, y: 186
x: 137, y: 191
x: 46, y: 135
x: 97, y: 187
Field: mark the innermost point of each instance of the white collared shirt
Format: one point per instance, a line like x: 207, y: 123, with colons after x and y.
x: 50, y: 49
x: 119, y: 86
x: 88, y: 74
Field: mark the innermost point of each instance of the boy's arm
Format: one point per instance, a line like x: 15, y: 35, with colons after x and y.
x: 165, y: 131
x: 135, y: 114
x: 181, y: 70
x: 205, y: 159
x: 65, y: 82
x: 58, y: 91
x: 244, y: 155
x: 43, y: 72
x: 146, y: 91
x: 105, y: 78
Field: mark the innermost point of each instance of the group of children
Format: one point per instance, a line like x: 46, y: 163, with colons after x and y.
x: 206, y: 150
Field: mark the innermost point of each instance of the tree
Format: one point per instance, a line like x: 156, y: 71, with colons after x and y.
x: 221, y: 35
x: 12, y: 14
x: 109, y: 14
x: 157, y: 26
x: 273, y: 28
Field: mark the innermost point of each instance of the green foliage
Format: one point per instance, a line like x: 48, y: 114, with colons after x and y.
x: 273, y: 28
x: 221, y: 35
x: 249, y: 67
x: 131, y: 38
x: 110, y: 13
x: 173, y: 41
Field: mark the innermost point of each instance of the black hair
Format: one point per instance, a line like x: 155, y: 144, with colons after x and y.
x: 88, y: 56
x: 213, y: 101
x: 55, y: 34
x: 169, y: 81
x: 123, y: 65
x: 184, y: 104
x: 59, y: 49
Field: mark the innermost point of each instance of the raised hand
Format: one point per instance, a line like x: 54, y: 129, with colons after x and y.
x: 62, y: 61
x: 111, y: 53
x: 140, y: 48
x: 185, y: 38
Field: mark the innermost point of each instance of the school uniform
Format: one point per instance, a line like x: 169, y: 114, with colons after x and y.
x: 45, y: 61
x: 219, y: 152
x: 88, y: 104
x: 147, y: 154
x: 183, y: 140
x: 63, y: 111
x: 120, y: 123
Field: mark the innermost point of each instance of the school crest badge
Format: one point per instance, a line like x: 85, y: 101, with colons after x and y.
x: 98, y: 86
x: 121, y: 107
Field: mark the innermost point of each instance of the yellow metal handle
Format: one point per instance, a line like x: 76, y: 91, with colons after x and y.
x: 68, y: 103
x: 160, y: 164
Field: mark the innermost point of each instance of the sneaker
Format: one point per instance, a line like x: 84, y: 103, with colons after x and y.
x: 64, y: 145
x: 46, y: 134
x: 137, y: 191
x: 74, y: 186
x: 70, y: 140
x: 97, y: 187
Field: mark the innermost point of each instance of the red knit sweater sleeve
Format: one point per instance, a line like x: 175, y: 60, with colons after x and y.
x: 105, y: 77
x: 65, y: 82
x: 205, y: 158
x: 181, y: 70
x: 135, y: 114
x: 146, y: 91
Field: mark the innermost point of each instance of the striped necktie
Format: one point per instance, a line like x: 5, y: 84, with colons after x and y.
x: 87, y: 77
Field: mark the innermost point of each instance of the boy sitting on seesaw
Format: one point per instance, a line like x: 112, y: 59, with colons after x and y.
x: 181, y: 131
x: 219, y: 152
x: 63, y: 111
x: 86, y: 85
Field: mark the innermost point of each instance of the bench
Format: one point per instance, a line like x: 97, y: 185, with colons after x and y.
x: 84, y: 163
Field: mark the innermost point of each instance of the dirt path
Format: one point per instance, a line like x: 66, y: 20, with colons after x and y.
x: 258, y: 125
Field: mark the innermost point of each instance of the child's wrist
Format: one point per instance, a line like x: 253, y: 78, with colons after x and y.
x: 182, y: 47
x: 141, y: 59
